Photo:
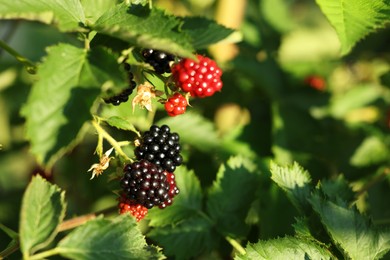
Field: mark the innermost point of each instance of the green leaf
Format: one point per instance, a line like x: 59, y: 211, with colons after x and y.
x: 59, y: 102
x: 356, y: 97
x: 276, y: 13
x: 295, y: 181
x: 232, y: 195
x: 370, y: 152
x: 204, y: 32
x: 194, y: 130
x: 187, y: 204
x: 118, y: 238
x: 337, y: 189
x: 188, y: 239
x: 121, y: 123
x: 146, y: 28
x: 67, y: 14
x: 12, y: 234
x: 352, y: 232
x: 354, y: 19
x: 93, y: 9
x: 43, y: 209
x: 285, y: 248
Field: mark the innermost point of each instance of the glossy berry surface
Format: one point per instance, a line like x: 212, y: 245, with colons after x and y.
x: 122, y: 97
x: 145, y: 183
x: 176, y: 105
x: 200, y: 78
x: 127, y: 206
x: 173, y: 189
x: 159, y: 60
x: 161, y: 147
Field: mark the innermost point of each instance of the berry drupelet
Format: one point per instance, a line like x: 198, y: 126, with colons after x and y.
x: 159, y: 60
x: 124, y: 95
x: 161, y: 147
x: 145, y: 183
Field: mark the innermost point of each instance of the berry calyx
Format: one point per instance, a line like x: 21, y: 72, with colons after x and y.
x: 200, y: 78
x: 127, y: 206
x: 161, y: 147
x: 176, y: 105
x: 145, y: 183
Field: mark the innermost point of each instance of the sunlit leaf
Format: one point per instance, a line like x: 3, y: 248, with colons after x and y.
x: 43, y: 209
x: 68, y: 14
x: 119, y: 238
x: 355, y: 19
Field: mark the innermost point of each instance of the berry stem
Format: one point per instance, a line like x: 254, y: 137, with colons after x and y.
x: 111, y: 140
x: 30, y: 66
x: 236, y: 245
x: 45, y: 254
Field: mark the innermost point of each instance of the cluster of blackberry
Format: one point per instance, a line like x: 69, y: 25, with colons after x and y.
x: 159, y: 60
x: 161, y: 147
x: 124, y: 95
x: 150, y: 180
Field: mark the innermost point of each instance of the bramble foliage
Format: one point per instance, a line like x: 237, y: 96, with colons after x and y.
x: 290, y: 160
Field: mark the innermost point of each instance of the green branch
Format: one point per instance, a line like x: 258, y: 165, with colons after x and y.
x: 30, y: 66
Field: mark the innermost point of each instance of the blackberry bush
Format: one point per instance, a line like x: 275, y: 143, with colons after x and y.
x: 145, y: 183
x: 161, y: 147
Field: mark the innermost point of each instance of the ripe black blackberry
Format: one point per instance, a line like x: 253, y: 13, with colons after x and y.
x: 145, y: 183
x: 161, y: 147
x: 124, y: 95
x: 159, y: 60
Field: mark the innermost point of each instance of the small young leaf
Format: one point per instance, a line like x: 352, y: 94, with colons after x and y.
x: 68, y: 14
x: 295, y: 181
x: 58, y: 105
x: 354, y: 19
x: 187, y: 203
x: 352, y: 232
x: 285, y: 248
x: 119, y: 238
x: 204, y: 31
x: 43, y: 209
x: 120, y: 123
x: 231, y: 196
x: 194, y: 130
x: 190, y: 238
x: 144, y: 27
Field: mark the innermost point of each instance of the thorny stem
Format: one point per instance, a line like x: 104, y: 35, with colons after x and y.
x: 111, y: 140
x: 30, y: 66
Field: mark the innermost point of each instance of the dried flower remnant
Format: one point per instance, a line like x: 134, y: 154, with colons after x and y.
x: 145, y: 94
x: 98, y: 168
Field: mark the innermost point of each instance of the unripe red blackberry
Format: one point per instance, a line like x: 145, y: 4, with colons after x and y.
x: 159, y: 60
x: 161, y: 147
x: 200, y: 78
x: 145, y: 183
x: 176, y: 105
x: 127, y: 206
